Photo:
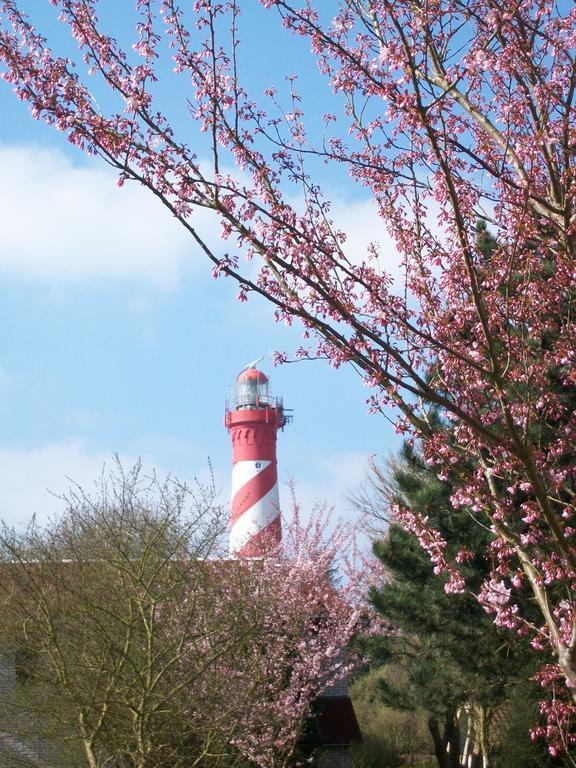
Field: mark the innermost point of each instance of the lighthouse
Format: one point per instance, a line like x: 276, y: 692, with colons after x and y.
x: 253, y: 418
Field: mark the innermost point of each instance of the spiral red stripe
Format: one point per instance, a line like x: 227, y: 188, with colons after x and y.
x: 252, y: 491
x: 270, y: 536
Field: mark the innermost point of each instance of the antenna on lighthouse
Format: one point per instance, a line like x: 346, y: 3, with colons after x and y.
x: 253, y: 418
x: 253, y: 365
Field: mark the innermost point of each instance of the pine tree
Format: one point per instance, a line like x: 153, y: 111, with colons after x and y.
x: 455, y: 663
x: 454, y: 659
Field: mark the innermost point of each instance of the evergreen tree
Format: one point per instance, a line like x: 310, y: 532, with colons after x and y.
x: 454, y: 659
x: 455, y: 662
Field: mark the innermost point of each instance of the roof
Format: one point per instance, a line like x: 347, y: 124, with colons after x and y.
x: 252, y: 374
x: 337, y: 721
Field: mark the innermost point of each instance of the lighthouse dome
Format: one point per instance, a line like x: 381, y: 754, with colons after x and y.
x: 252, y: 374
x: 252, y: 389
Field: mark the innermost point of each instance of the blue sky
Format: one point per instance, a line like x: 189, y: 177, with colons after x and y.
x: 115, y: 339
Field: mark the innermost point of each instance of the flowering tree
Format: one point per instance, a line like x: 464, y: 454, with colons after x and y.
x: 466, y: 671
x: 144, y: 646
x: 298, y: 645
x: 89, y: 605
x: 449, y: 112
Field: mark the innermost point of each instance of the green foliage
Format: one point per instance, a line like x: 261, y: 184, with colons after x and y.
x: 113, y: 615
x: 391, y: 738
x: 514, y: 747
x: 452, y: 655
x: 485, y: 240
x: 454, y: 658
x: 449, y: 646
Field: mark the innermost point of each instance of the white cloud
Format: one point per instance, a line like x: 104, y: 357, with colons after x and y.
x: 362, y: 224
x: 31, y: 480
x: 336, y: 476
x: 63, y: 222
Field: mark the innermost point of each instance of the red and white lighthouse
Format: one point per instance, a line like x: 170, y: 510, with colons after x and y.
x: 253, y: 418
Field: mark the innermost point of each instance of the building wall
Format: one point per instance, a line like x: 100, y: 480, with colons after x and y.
x: 18, y: 751
x: 338, y: 757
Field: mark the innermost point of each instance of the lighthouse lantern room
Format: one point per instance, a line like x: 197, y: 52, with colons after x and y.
x: 253, y: 418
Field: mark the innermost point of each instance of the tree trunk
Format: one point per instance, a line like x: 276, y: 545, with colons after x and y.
x: 452, y: 738
x: 446, y: 744
x: 476, y: 750
x: 87, y: 742
x: 466, y: 747
x: 483, y: 735
x: 439, y: 743
x: 89, y: 752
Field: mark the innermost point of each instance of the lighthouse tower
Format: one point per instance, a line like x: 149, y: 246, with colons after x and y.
x: 253, y: 418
